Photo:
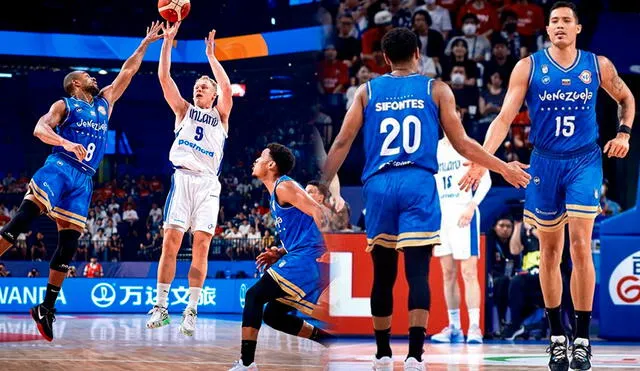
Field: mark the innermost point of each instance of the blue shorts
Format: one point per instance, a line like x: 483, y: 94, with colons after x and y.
x: 402, y: 208
x: 64, y: 189
x: 562, y: 186
x: 302, y: 278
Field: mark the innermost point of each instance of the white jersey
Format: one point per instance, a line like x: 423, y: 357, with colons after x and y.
x: 450, y: 170
x: 199, y: 141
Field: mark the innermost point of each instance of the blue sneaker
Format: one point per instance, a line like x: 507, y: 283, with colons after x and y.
x: 449, y: 334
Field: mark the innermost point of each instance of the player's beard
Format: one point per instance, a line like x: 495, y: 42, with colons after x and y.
x: 93, y: 89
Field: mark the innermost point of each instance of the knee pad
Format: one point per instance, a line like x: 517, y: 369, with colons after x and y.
x: 67, y: 246
x: 266, y: 289
x: 20, y: 223
x: 417, y: 261
x: 277, y: 316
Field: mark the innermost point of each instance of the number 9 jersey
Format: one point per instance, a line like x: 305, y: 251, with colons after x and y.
x: 400, y: 143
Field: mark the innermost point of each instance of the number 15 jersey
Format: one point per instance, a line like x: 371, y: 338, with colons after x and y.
x: 400, y: 124
x: 562, y: 102
x: 199, y: 142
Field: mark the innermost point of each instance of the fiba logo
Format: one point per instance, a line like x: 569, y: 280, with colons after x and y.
x: 624, y: 284
x: 103, y: 295
x: 243, y: 295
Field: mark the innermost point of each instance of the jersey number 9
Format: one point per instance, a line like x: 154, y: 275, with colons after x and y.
x: 199, y: 133
x: 408, y: 123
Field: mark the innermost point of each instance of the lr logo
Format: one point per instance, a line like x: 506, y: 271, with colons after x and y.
x: 624, y: 284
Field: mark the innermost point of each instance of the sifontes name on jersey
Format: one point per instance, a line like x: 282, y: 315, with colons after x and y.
x: 399, y: 105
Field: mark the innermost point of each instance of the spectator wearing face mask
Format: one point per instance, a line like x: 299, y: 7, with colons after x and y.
x: 511, y: 36
x: 486, y: 13
x: 530, y: 21
x: 479, y: 47
x: 466, y: 96
x: 459, y: 55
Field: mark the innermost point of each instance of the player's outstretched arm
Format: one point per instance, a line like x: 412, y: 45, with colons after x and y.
x: 499, y: 128
x: 348, y: 132
x: 130, y: 67
x: 225, y: 99
x: 44, y: 130
x: 169, y: 88
x: 321, y: 157
x: 620, y: 92
x: 290, y: 193
x: 469, y: 148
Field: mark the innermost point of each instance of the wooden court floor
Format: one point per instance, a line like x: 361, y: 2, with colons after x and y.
x: 121, y: 342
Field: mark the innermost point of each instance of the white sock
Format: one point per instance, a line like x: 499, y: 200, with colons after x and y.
x: 474, y: 317
x: 454, y: 318
x: 194, y: 295
x: 162, y: 294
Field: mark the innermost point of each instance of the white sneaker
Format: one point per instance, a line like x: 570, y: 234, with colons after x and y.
x: 448, y: 334
x: 159, y: 317
x: 238, y: 366
x: 412, y: 364
x: 188, y: 324
x: 474, y: 336
x: 383, y: 364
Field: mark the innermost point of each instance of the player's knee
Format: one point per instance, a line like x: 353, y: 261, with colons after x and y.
x: 581, y: 253
x: 419, y: 294
x: 469, y: 272
x: 67, y: 246
x: 382, y: 297
x: 550, y: 256
x: 27, y: 212
x: 449, y: 273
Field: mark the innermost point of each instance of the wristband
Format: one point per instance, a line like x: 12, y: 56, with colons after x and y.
x: 622, y: 128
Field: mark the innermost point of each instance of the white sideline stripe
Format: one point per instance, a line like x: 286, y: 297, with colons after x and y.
x: 145, y: 361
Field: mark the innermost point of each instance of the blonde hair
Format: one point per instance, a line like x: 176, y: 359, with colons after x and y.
x: 212, y: 81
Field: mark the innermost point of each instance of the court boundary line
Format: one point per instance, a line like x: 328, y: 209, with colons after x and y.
x: 145, y: 361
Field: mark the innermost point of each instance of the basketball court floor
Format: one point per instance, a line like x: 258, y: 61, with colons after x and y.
x: 121, y: 342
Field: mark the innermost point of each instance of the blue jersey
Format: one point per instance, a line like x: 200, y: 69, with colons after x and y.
x: 400, y: 124
x: 296, y: 229
x: 562, y: 102
x: 85, y: 124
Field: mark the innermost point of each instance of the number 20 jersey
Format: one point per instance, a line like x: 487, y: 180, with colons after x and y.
x: 562, y: 102
x: 199, y: 142
x: 400, y: 124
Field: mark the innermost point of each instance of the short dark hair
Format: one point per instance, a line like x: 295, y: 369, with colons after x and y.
x: 67, y: 83
x: 471, y: 16
x: 322, y: 188
x: 423, y: 13
x: 564, y: 4
x: 399, y: 44
x: 283, y: 157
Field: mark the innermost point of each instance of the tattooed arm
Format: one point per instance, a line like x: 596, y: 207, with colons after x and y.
x: 619, y: 91
x: 290, y: 193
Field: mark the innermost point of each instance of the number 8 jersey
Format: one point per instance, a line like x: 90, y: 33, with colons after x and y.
x: 199, y: 142
x: 562, y: 102
x: 400, y: 124
x: 85, y: 124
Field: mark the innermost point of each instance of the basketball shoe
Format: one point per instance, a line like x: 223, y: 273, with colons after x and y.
x: 44, y: 318
x: 449, y: 334
x: 188, y: 324
x: 412, y: 364
x: 558, y: 354
x: 581, y: 355
x: 383, y: 364
x: 238, y: 366
x: 159, y: 317
x: 474, y: 335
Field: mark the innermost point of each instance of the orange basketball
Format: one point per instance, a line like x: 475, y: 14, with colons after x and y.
x: 174, y: 10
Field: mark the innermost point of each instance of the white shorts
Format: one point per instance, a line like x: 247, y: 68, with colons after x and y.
x: 462, y: 243
x: 193, y: 202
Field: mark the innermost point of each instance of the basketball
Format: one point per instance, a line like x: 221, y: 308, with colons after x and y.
x: 174, y: 10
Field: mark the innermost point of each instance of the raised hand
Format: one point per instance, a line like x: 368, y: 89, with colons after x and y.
x: 153, y: 32
x: 210, y: 43
x: 169, y: 31
x: 471, y: 179
x: 515, y: 175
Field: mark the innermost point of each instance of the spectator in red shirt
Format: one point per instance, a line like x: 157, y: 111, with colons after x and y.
x: 487, y: 16
x: 383, y: 24
x: 93, y: 269
x: 333, y: 74
x: 530, y: 21
x: 377, y: 64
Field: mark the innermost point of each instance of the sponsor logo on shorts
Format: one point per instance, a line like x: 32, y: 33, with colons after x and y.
x: 210, y: 226
x: 282, y: 263
x: 541, y: 212
x: 536, y: 180
x: 595, y: 194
